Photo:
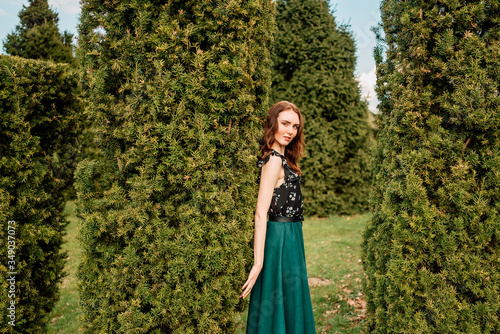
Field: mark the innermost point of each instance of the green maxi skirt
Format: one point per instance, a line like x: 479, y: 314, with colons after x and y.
x: 280, y: 301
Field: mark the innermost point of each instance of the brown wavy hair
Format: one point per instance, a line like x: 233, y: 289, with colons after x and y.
x: 295, y: 149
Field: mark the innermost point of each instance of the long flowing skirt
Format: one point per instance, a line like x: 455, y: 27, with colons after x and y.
x: 280, y: 301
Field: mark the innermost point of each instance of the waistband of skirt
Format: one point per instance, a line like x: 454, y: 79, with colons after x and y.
x: 282, y: 219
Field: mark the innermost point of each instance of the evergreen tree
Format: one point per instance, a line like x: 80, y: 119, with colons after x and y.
x: 177, y: 95
x: 39, y: 124
x: 38, y: 37
x: 432, y: 249
x: 313, y: 67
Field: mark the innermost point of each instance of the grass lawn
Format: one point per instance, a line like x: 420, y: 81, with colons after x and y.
x: 64, y: 316
x: 333, y: 255
x: 333, y: 265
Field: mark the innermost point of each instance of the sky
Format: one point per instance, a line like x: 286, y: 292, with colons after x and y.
x: 361, y: 15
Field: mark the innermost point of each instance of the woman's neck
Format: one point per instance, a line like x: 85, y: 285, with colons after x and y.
x: 279, y: 148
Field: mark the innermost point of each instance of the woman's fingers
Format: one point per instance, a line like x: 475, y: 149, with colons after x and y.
x: 252, y: 278
x: 247, y: 291
x: 247, y: 287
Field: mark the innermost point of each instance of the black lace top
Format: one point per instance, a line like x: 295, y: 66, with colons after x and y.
x: 287, y: 198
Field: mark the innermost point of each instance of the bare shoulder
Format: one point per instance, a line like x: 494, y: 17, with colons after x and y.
x: 273, y: 161
x: 273, y: 166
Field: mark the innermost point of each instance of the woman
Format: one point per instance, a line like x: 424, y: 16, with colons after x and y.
x: 280, y: 301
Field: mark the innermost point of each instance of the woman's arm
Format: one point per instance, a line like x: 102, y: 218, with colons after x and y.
x: 270, y: 175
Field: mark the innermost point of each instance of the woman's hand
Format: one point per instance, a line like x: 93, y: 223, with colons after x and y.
x: 252, y: 277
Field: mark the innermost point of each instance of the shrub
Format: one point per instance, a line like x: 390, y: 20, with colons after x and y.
x: 431, y: 249
x: 39, y: 127
x: 177, y: 93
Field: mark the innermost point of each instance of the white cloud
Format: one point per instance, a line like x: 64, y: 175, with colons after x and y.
x: 367, y: 82
x: 66, y: 6
x: 2, y: 12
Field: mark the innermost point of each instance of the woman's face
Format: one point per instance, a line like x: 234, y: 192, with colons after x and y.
x: 288, y: 125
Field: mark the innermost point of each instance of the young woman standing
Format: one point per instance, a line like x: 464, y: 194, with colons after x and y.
x: 280, y: 302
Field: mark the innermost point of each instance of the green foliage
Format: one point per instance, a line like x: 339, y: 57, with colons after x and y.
x: 313, y: 67
x: 38, y: 37
x: 431, y: 250
x: 177, y: 94
x: 38, y: 128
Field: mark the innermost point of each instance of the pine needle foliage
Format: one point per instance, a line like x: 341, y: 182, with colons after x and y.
x: 431, y: 251
x: 39, y: 126
x: 177, y: 94
x: 38, y: 37
x: 313, y: 66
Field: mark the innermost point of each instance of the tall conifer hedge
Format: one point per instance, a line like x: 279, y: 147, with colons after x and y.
x: 177, y: 95
x: 39, y: 126
x: 313, y: 66
x: 432, y: 249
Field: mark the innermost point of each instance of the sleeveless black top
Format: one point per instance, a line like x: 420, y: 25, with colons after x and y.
x: 287, y: 198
